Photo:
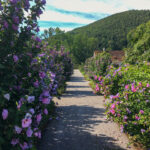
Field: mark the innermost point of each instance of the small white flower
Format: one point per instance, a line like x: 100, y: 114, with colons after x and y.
x: 7, y: 96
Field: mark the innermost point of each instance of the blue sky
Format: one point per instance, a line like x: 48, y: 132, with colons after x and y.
x: 70, y: 14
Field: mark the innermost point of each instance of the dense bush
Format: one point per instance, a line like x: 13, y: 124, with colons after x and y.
x: 138, y: 44
x: 97, y: 65
x: 30, y: 75
x: 128, y: 87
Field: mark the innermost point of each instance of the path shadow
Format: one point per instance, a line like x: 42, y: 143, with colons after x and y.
x: 77, y: 79
x: 78, y: 94
x: 73, y: 131
x: 76, y: 86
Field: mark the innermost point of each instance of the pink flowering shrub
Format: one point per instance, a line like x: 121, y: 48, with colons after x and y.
x: 30, y: 75
x: 128, y: 87
x: 127, y: 90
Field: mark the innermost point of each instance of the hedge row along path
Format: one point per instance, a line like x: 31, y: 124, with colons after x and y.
x: 82, y: 124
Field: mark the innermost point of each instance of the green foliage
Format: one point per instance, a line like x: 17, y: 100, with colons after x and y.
x: 97, y: 65
x: 139, y: 44
x: 111, y: 31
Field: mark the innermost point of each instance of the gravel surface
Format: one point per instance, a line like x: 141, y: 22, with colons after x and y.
x: 81, y: 124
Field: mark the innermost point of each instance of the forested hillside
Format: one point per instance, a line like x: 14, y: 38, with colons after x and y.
x: 111, y: 31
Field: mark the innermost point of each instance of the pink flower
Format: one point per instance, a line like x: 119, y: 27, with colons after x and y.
x: 29, y: 132
x: 26, y: 122
x: 18, y: 129
x: 38, y: 118
x: 99, y: 79
x: 142, y: 111
x: 133, y: 89
x: 14, y: 142
x: 113, y: 106
x: 5, y: 114
x: 15, y: 57
x: 137, y: 117
x: 97, y: 88
x: 112, y: 111
x: 127, y: 87
x: 46, y: 100
x: 140, y: 84
x: 95, y: 77
x: 45, y: 111
x: 148, y: 85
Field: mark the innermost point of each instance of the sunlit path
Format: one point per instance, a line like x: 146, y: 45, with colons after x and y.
x: 81, y: 124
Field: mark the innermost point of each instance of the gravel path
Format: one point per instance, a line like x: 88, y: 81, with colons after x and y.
x: 82, y: 124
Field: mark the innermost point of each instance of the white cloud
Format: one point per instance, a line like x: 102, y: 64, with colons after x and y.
x: 101, y: 6
x: 89, y: 6
x: 55, y: 16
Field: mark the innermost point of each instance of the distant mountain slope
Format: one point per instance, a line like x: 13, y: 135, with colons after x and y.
x: 112, y: 31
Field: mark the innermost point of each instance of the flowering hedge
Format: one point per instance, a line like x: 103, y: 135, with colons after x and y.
x: 30, y: 74
x: 128, y: 88
x: 97, y: 65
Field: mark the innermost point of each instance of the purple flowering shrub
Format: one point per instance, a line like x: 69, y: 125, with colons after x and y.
x: 28, y: 78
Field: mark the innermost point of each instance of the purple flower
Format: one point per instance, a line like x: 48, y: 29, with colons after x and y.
x: 38, y: 134
x: 142, y: 130
x: 24, y: 146
x: 30, y: 99
x: 43, y: 2
x: 122, y: 128
x: 46, y: 100
x: 14, y: 142
x: 26, y: 122
x: 29, y: 132
x: 42, y: 75
x: 38, y: 118
x: 32, y: 110
x: 38, y: 39
x: 125, y: 118
x: 5, y: 24
x: 36, y: 84
x: 16, y: 19
x: 15, y: 57
x: 13, y: 1
x: 18, y: 129
x: 45, y: 111
x: 5, y: 114
x: 29, y: 74
x: 15, y: 28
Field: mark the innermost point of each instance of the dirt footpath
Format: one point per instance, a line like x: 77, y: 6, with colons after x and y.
x: 81, y: 124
